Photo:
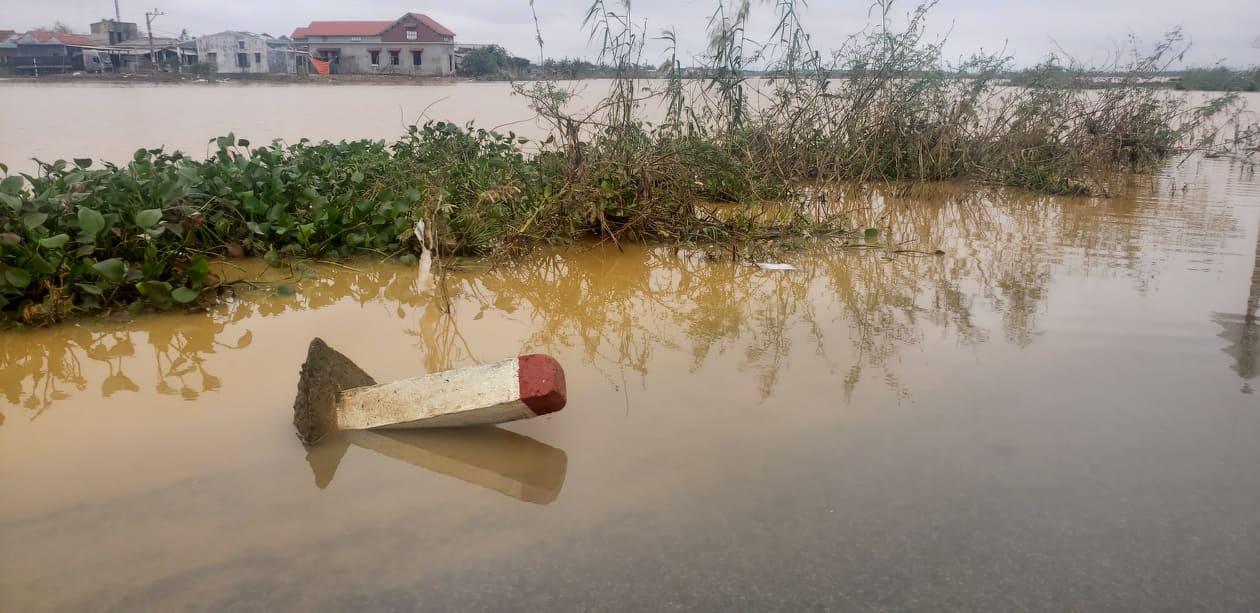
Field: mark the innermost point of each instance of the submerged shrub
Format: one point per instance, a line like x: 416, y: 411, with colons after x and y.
x: 78, y: 238
x: 74, y: 238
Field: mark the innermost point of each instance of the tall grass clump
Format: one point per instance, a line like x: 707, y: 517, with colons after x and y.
x: 885, y: 106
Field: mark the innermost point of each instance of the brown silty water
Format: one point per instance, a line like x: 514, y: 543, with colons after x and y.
x: 1057, y: 413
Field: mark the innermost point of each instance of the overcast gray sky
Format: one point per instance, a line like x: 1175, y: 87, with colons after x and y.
x: 1088, y: 29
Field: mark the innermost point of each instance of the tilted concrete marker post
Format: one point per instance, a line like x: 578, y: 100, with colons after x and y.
x: 335, y: 394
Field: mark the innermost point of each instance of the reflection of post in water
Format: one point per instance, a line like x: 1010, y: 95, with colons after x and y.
x: 1244, y: 332
x: 494, y: 458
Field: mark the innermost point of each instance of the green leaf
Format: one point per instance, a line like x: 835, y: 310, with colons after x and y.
x: 157, y: 292
x: 10, y: 201
x: 90, y: 288
x: 272, y: 258
x: 54, y: 242
x: 40, y: 265
x: 91, y: 221
x: 408, y: 259
x: 871, y: 233
x: 242, y: 142
x: 154, y: 288
x: 11, y: 185
x: 85, y: 251
x: 17, y: 277
x: 148, y: 218
x: 286, y: 290
x: 34, y: 220
x: 184, y: 295
x: 357, y: 177
x: 198, y: 269
x: 82, y: 162
x: 173, y: 228
x: 111, y: 270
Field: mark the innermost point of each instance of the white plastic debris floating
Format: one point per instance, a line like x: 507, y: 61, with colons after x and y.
x: 773, y: 266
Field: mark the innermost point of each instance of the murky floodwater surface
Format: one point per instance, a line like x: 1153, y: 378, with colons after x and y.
x: 1058, y: 413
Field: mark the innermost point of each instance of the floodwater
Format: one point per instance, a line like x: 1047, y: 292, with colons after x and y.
x: 1059, y: 413
x: 109, y: 121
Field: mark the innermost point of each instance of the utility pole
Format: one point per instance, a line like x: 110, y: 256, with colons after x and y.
x: 148, y: 23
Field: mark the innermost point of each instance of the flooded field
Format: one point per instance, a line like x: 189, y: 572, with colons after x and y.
x: 1059, y: 413
x: 186, y: 116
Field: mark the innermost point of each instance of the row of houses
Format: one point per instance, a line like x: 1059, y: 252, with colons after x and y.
x: 413, y: 44
x: 40, y: 52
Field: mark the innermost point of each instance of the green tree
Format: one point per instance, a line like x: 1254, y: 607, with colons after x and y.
x: 485, y: 61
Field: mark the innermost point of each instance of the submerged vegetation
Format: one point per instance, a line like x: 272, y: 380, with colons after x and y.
x: 78, y: 238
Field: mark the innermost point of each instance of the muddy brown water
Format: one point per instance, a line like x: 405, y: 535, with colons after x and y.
x: 109, y: 121
x: 1059, y: 413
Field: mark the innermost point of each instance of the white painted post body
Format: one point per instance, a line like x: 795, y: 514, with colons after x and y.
x: 497, y: 392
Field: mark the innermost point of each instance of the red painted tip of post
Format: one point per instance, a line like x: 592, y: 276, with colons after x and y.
x: 542, y: 383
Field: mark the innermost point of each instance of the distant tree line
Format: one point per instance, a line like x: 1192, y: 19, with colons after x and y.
x: 494, y: 61
x: 1219, y: 79
x: 1052, y: 75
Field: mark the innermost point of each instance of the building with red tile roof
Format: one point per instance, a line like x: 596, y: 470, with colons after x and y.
x: 41, y: 52
x: 414, y: 44
x: 343, y: 28
x: 59, y: 38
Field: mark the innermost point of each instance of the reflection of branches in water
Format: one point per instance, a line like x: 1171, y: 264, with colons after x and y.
x: 619, y: 309
x: 33, y: 375
x: 1009, y: 243
x: 438, y: 337
x: 35, y: 366
x: 605, y: 306
x: 179, y: 355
